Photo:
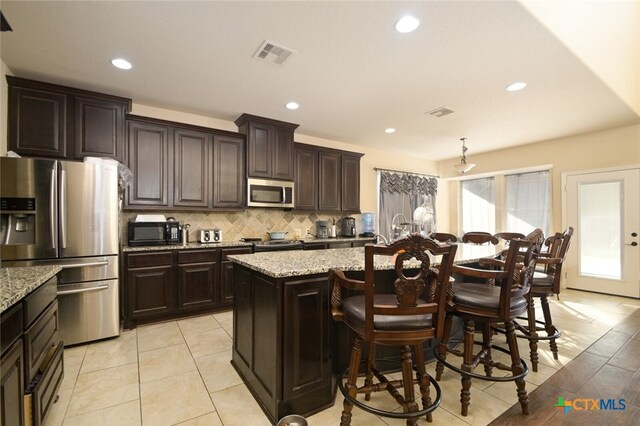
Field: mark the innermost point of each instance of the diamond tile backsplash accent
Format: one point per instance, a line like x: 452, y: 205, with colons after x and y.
x: 250, y: 223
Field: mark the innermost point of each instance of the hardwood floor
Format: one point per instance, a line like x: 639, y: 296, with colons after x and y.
x: 608, y: 369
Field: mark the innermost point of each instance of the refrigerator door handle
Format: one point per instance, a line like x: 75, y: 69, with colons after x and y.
x: 53, y: 208
x: 83, y: 290
x: 82, y: 265
x: 63, y: 208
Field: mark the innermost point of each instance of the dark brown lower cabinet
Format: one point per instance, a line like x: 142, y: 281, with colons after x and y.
x: 281, y: 342
x: 12, y: 390
x: 176, y: 283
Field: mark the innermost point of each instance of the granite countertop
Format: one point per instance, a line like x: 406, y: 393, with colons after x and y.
x: 336, y: 240
x: 16, y: 283
x: 190, y: 246
x: 280, y: 264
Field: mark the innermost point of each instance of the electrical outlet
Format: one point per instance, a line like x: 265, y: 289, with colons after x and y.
x: 308, y: 231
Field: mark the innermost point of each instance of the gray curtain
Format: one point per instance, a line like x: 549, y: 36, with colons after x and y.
x: 407, y: 203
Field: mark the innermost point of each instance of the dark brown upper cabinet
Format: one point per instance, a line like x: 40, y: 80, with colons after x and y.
x: 48, y: 120
x: 330, y: 181
x: 181, y: 167
x: 191, y: 168
x: 148, y: 158
x: 326, y: 179
x: 306, y: 177
x: 269, y: 147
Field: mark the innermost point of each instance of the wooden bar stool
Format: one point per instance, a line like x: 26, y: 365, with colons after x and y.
x: 443, y: 237
x: 486, y: 304
x: 479, y: 238
x: 407, y: 319
x: 508, y: 236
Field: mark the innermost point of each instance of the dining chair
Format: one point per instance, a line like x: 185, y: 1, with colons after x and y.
x: 443, y: 237
x: 508, y: 236
x: 484, y: 304
x: 407, y: 318
x: 479, y: 238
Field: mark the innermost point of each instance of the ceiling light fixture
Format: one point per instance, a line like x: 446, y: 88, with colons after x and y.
x: 389, y: 130
x: 123, y: 64
x: 406, y: 24
x: 464, y: 167
x: 292, y: 105
x: 516, y: 86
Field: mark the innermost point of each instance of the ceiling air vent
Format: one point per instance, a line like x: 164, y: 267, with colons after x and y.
x: 274, y: 53
x: 440, y: 112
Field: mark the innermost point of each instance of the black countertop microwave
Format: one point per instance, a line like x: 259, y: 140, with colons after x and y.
x: 153, y: 233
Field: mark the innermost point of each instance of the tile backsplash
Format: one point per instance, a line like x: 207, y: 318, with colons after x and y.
x: 250, y: 223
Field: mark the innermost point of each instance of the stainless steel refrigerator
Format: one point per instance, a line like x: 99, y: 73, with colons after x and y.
x: 66, y: 213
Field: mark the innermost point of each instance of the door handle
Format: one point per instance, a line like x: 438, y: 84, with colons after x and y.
x: 53, y: 208
x: 82, y: 265
x: 83, y: 290
x: 633, y: 244
x: 63, y: 208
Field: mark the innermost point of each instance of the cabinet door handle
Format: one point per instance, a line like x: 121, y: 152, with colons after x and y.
x: 83, y: 290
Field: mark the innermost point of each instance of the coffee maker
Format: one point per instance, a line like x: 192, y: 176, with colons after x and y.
x: 348, y: 228
x: 322, y: 229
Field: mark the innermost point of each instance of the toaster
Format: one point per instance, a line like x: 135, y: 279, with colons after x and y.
x: 209, y: 236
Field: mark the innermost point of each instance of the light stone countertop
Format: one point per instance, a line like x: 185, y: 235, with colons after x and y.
x: 336, y: 240
x: 190, y: 246
x: 16, y: 283
x: 281, y: 264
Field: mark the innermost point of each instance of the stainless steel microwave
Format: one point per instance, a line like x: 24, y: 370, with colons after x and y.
x: 269, y: 193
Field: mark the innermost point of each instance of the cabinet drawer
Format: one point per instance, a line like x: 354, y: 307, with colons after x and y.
x: 12, y: 327
x: 149, y: 259
x: 315, y: 246
x: 38, y: 300
x: 38, y: 339
x: 238, y: 250
x: 197, y: 256
x: 44, y: 391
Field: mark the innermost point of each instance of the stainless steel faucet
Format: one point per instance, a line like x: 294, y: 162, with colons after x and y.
x: 382, y: 237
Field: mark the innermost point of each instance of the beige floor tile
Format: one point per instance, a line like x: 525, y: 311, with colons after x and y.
x: 111, y: 353
x: 507, y: 391
x: 174, y: 399
x: 104, y: 388
x: 228, y: 401
x: 210, y: 419
x: 158, y: 336
x: 198, y: 325
x: 226, y: 320
x: 72, y: 366
x: 483, y: 409
x: 543, y: 373
x: 59, y: 409
x: 164, y: 362
x: 331, y: 416
x: 208, y: 342
x: 75, y: 351
x: 440, y: 417
x: 217, y: 372
x: 127, y: 414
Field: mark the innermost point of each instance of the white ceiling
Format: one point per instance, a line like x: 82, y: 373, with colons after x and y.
x: 353, y: 75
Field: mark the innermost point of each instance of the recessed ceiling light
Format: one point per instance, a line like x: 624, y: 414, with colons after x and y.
x: 123, y: 64
x: 516, y: 86
x: 389, y: 130
x: 407, y: 24
x: 292, y: 105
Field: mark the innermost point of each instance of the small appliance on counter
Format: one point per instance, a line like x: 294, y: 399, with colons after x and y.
x: 142, y: 233
x: 348, y: 228
x: 333, y: 232
x: 322, y: 229
x: 206, y: 236
x: 368, y: 224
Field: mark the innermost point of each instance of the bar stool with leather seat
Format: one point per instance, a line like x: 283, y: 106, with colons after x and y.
x: 479, y: 238
x: 443, y: 237
x: 407, y: 318
x: 486, y: 304
x: 546, y: 283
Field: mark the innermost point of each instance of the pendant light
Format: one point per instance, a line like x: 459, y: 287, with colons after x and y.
x: 464, y: 167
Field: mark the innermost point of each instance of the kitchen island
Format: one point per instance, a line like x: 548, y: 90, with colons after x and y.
x: 286, y: 347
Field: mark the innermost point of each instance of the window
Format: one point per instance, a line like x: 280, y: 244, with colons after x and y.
x: 527, y: 202
x: 478, y: 205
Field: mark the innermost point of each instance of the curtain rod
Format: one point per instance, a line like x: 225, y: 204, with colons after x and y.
x: 400, y: 171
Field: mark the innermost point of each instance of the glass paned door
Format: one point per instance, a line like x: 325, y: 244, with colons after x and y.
x: 604, y: 208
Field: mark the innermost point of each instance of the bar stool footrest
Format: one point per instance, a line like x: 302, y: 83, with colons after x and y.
x: 525, y: 369
x: 434, y: 404
x: 522, y: 335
